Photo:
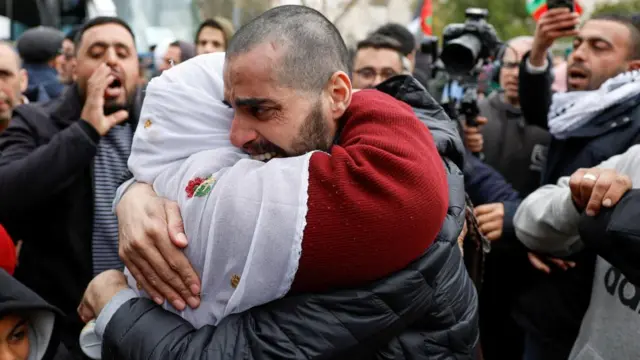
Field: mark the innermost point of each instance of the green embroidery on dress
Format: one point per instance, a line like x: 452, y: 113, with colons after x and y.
x: 205, y: 188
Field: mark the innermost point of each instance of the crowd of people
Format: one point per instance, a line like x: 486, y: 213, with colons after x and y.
x: 270, y: 193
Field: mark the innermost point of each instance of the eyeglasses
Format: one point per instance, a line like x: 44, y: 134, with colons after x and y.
x: 510, y: 64
x: 370, y: 73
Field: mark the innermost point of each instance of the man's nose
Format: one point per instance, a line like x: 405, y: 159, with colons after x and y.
x: 242, y: 135
x: 578, y: 54
x: 377, y: 80
x: 110, y: 57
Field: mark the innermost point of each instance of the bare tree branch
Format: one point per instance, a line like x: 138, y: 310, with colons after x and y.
x: 345, y: 11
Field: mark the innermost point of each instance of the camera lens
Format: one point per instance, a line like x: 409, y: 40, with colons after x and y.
x: 460, y: 55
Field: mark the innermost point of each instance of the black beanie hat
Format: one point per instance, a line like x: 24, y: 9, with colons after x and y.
x: 40, y: 44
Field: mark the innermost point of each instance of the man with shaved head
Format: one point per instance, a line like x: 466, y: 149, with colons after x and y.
x: 13, y: 81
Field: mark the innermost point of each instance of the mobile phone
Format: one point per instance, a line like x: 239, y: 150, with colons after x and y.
x: 554, y: 4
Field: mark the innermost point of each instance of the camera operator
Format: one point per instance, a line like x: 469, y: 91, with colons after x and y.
x: 588, y: 127
x: 515, y: 149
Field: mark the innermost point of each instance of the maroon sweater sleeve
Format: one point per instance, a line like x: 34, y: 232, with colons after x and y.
x: 377, y: 202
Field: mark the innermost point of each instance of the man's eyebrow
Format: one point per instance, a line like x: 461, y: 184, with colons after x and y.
x: 7, y: 72
x: 104, y: 44
x: 18, y: 325
x: 252, y: 102
x: 594, y: 38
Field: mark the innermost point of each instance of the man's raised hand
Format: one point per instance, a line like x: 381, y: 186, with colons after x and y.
x: 93, y: 110
x: 552, y: 25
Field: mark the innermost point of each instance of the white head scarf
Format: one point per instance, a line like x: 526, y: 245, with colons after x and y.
x: 245, y: 231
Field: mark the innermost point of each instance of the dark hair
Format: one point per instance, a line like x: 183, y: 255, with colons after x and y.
x: 401, y: 34
x: 101, y: 20
x: 187, y: 49
x: 212, y: 24
x: 313, y: 47
x: 632, y: 23
x: 379, y: 41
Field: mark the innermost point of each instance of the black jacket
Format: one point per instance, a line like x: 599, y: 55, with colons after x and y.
x: 426, y: 311
x: 517, y: 150
x: 614, y: 234
x: 566, y: 294
x: 15, y: 298
x: 46, y: 187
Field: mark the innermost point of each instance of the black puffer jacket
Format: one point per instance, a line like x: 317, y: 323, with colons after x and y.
x: 426, y: 311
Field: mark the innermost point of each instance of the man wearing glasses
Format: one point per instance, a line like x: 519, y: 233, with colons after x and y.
x: 66, y: 60
x: 376, y: 59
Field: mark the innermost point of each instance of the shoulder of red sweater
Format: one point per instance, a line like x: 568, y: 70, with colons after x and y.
x: 376, y: 99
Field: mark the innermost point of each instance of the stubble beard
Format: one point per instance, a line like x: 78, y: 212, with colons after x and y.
x: 314, y: 133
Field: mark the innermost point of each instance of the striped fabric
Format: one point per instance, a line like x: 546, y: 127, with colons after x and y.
x: 110, y: 163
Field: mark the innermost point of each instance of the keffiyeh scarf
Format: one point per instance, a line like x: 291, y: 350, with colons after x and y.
x: 572, y: 110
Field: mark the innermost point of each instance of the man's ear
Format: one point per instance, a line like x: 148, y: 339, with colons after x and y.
x: 340, y: 91
x: 24, y: 80
x: 633, y: 65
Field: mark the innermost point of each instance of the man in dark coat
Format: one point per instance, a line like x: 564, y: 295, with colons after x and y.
x: 61, y: 164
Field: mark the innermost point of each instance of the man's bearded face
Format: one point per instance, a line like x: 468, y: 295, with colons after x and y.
x: 272, y: 120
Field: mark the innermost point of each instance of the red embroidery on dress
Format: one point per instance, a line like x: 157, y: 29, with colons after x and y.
x: 193, y: 185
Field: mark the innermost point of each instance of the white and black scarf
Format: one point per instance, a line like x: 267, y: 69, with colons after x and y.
x: 572, y: 110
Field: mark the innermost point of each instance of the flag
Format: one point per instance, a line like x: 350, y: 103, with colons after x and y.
x: 536, y: 8
x: 426, y: 17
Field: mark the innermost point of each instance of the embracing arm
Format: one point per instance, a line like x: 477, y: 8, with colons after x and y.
x: 30, y: 173
x: 140, y: 329
x: 377, y: 202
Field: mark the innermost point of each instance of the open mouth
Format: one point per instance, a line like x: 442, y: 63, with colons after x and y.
x: 577, y: 74
x: 115, y: 88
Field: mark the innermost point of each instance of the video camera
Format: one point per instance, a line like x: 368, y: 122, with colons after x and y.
x: 466, y: 47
